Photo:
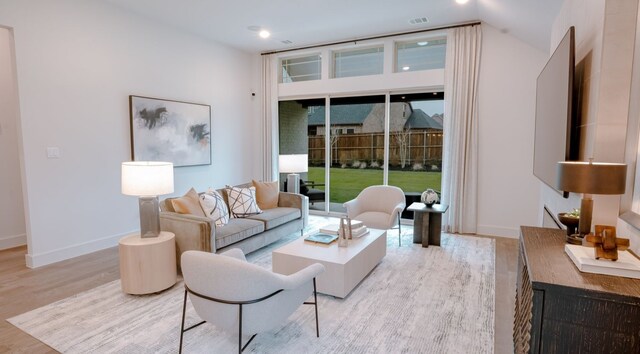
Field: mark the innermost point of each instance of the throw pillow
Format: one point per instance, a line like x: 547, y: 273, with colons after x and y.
x: 242, y: 201
x: 188, y: 204
x: 267, y: 194
x: 214, y: 207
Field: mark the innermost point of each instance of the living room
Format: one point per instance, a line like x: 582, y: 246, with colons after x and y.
x: 75, y: 63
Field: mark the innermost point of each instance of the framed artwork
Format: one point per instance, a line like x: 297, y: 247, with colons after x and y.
x: 168, y: 130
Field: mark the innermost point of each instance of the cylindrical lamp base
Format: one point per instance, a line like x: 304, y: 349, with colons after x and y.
x: 149, y: 216
x: 586, y: 212
x: 293, y: 183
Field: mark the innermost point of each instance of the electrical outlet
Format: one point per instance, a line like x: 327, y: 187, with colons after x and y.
x: 53, y: 153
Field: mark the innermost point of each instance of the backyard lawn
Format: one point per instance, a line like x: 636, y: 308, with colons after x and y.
x: 346, y: 183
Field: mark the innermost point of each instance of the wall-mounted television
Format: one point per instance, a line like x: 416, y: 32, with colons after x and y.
x: 557, y: 131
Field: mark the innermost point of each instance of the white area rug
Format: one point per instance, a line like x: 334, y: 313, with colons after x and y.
x: 417, y: 300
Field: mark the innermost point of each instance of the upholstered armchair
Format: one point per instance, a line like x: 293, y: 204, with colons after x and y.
x: 240, y: 297
x: 378, y: 207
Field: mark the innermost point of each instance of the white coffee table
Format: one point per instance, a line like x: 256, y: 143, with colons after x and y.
x: 345, y: 266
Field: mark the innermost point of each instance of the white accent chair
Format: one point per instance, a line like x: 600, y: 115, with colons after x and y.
x: 378, y: 207
x: 240, y: 297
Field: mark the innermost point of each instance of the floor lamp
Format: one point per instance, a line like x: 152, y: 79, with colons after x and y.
x: 590, y: 178
x: 147, y: 180
x: 293, y: 164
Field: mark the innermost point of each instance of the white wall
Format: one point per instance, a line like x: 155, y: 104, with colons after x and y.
x: 605, y: 36
x: 507, y: 190
x: 78, y: 61
x: 12, y: 225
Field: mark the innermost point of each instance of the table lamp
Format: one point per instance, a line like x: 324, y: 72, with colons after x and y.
x: 590, y: 178
x: 147, y: 180
x: 293, y: 164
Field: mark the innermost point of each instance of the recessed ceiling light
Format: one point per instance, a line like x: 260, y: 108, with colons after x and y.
x: 462, y: 1
x: 264, y: 34
x: 422, y: 43
x: 405, y: 68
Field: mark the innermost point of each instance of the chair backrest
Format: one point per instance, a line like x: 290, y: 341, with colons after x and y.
x: 381, y: 198
x: 230, y: 279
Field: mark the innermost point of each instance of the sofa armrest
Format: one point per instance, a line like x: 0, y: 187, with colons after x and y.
x: 192, y: 232
x: 299, y: 201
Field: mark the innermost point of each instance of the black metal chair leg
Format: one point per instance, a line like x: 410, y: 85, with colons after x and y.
x: 399, y: 232
x: 240, y: 330
x: 184, y: 310
x: 315, y: 303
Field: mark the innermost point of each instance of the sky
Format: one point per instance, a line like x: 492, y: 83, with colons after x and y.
x: 429, y: 107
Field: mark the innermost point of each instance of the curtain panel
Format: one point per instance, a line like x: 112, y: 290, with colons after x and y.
x: 460, y: 145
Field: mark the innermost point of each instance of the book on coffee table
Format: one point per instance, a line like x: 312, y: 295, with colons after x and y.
x: 357, y: 229
x: 321, y: 238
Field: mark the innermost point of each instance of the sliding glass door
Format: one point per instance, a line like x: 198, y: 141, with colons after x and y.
x: 362, y: 142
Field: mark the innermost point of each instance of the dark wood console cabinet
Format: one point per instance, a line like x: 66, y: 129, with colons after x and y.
x: 561, y: 310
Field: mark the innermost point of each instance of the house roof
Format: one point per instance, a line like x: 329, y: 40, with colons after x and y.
x: 349, y: 114
x: 420, y: 120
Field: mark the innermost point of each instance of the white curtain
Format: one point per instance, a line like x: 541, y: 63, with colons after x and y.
x: 460, y: 146
x: 269, y: 112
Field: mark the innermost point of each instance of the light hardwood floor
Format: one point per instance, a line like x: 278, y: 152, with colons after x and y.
x: 23, y: 289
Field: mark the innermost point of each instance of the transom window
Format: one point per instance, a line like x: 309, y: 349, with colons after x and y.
x: 418, y: 55
x: 301, y: 69
x: 358, y: 62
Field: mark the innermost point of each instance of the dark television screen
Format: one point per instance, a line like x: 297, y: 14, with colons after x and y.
x: 555, y: 137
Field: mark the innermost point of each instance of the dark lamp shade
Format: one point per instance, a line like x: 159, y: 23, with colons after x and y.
x: 591, y: 177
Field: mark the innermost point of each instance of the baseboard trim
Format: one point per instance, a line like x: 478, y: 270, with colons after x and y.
x: 62, y: 254
x: 498, y: 231
x: 7, y: 242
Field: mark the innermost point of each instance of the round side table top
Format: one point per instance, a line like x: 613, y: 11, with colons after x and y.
x: 136, y: 240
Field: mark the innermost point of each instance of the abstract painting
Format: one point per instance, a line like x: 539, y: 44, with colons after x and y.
x: 167, y: 130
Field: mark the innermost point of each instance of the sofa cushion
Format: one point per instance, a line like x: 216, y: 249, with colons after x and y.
x: 237, y: 230
x: 215, y: 207
x: 273, y: 218
x: 188, y: 204
x: 267, y: 194
x: 242, y: 201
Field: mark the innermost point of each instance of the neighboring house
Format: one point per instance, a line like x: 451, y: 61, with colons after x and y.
x: 369, y: 118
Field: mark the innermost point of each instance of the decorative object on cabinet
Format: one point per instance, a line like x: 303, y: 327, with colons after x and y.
x: 571, y: 221
x: 169, y: 130
x: 590, y: 178
x: 605, y: 242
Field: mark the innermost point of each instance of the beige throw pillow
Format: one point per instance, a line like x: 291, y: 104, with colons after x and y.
x: 267, y: 194
x: 188, y: 204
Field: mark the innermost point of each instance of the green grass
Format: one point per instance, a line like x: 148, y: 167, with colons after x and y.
x: 346, y: 183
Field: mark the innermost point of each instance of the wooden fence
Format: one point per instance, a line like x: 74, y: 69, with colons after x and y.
x: 406, y: 149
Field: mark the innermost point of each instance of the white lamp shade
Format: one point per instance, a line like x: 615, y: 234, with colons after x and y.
x: 293, y: 163
x: 147, y: 178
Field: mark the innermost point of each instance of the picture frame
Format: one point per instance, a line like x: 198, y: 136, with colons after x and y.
x: 170, y: 130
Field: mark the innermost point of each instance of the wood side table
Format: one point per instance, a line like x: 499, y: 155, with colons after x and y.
x: 427, y: 223
x: 147, y: 265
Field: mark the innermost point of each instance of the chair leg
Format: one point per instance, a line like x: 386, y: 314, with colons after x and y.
x: 315, y: 301
x: 184, y: 310
x: 240, y: 329
x: 399, y: 232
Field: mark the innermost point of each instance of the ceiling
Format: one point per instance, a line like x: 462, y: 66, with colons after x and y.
x: 305, y: 22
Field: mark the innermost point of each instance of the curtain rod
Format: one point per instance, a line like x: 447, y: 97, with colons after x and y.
x: 475, y: 23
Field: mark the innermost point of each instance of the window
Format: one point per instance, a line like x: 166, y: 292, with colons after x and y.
x: 301, y: 69
x: 358, y: 62
x: 421, y: 55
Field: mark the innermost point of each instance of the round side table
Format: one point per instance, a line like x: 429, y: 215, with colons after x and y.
x: 147, y: 265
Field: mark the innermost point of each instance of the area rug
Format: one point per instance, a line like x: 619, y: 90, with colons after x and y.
x: 417, y: 300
